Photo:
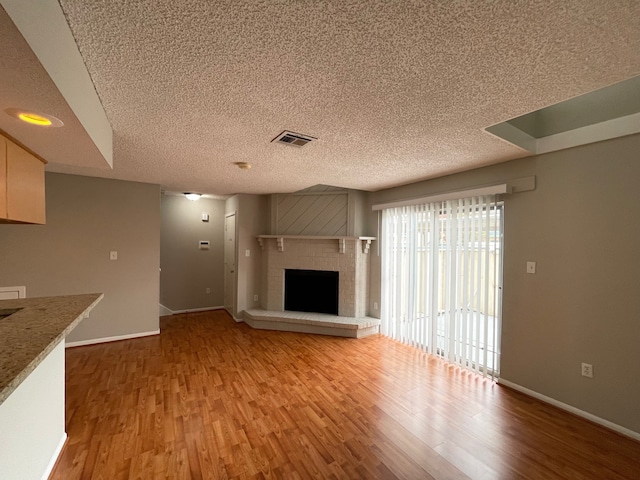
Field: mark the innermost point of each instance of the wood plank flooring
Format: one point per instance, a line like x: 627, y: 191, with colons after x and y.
x: 209, y: 398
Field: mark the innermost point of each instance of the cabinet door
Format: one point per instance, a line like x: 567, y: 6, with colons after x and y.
x: 25, y: 186
x: 3, y: 177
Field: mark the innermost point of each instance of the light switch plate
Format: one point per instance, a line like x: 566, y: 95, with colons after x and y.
x: 531, y: 267
x: 113, y: 255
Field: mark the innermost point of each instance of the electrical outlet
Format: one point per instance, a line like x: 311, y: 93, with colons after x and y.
x: 255, y: 298
x: 587, y: 370
x: 375, y: 305
x: 208, y: 290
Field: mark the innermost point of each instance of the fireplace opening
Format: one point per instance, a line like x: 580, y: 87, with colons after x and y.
x: 311, y: 291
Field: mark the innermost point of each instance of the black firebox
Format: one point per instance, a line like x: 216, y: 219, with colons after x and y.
x: 311, y: 291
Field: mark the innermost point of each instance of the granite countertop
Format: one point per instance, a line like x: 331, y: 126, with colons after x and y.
x: 30, y: 334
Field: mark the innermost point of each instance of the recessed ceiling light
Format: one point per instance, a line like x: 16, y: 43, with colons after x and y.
x: 243, y: 165
x: 33, y: 118
x: 192, y: 196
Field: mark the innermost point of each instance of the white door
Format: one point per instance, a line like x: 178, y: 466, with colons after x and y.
x: 230, y: 264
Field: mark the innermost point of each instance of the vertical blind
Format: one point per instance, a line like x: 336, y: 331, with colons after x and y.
x: 441, y: 279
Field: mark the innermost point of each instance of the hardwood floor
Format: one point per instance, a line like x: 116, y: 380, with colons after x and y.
x: 209, y: 398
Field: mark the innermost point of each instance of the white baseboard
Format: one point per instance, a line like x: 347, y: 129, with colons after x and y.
x: 576, y: 411
x: 54, y: 457
x: 93, y: 341
x: 193, y: 310
x: 239, y: 319
x: 162, y: 310
x: 13, y: 292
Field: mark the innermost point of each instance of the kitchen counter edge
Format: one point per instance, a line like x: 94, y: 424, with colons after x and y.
x: 30, y: 334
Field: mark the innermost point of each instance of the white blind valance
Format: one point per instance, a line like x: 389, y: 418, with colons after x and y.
x: 443, y: 197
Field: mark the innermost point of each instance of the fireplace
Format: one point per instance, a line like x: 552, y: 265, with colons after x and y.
x: 311, y: 291
x: 346, y: 257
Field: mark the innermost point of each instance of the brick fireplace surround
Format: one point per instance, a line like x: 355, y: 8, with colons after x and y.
x: 349, y: 256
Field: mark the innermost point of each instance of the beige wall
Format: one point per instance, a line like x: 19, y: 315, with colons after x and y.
x: 359, y: 214
x: 582, y: 226
x: 86, y: 219
x: 187, y: 271
x: 252, y: 219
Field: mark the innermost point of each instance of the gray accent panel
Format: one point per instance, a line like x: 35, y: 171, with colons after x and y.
x: 308, y: 214
x: 322, y: 188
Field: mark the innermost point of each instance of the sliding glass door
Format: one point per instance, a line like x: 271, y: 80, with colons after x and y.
x: 442, y: 277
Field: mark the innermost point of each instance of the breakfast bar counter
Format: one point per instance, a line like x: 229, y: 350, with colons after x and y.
x: 32, y: 378
x: 28, y: 335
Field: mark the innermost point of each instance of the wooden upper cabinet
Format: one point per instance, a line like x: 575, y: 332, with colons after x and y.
x: 21, y: 185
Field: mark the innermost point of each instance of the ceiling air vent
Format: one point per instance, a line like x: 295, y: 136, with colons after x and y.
x: 293, y: 139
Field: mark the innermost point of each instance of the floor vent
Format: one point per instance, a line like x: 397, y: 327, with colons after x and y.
x: 293, y: 139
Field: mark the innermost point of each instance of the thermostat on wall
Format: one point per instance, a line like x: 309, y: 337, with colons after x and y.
x: 204, y: 244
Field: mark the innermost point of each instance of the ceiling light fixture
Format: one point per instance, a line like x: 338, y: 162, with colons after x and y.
x: 33, y: 118
x: 243, y: 165
x: 192, y: 196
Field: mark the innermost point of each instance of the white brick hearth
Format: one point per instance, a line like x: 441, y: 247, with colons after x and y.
x: 317, y: 323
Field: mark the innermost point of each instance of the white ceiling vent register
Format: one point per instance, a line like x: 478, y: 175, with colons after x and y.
x: 293, y: 139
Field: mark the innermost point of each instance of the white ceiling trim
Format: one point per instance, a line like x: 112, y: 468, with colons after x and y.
x: 614, y: 128
x: 45, y: 29
x: 598, y: 132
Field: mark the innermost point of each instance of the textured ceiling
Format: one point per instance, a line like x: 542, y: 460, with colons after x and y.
x: 395, y: 91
